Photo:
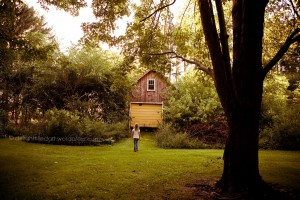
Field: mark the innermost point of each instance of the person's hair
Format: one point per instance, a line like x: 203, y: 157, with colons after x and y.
x: 136, y: 127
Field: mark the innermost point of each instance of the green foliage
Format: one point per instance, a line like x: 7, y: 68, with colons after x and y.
x: 151, y: 39
x: 87, y: 80
x: 24, y: 40
x: 107, y: 12
x: 193, y: 108
x: 280, y: 21
x: 99, y: 129
x: 38, y: 47
x: 65, y: 127
x: 188, y: 37
x: 168, y: 137
x: 144, y: 38
x: 18, y: 20
x: 35, y: 77
x: 280, y: 123
x: 284, y: 132
x: 61, y: 123
x: 67, y: 5
x: 192, y: 99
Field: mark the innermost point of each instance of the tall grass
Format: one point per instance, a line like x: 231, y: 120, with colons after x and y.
x: 168, y: 137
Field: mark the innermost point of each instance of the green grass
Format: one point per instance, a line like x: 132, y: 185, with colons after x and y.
x: 39, y: 171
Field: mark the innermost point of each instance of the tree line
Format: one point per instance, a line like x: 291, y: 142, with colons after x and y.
x: 36, y: 77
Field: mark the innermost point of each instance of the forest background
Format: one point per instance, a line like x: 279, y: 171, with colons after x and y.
x: 83, y: 92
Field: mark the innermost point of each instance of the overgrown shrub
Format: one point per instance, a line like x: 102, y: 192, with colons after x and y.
x: 283, y: 132
x: 65, y: 127
x: 195, y: 110
x: 99, y: 129
x: 62, y: 123
x: 280, y: 121
x: 213, y: 132
x: 168, y: 137
x: 12, y: 131
x: 193, y: 99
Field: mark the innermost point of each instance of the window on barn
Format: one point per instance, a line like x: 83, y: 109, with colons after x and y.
x: 151, y: 85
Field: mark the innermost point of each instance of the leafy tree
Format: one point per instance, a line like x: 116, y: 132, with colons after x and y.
x: 280, y: 118
x: 22, y: 40
x: 142, y: 37
x: 193, y: 99
x: 66, y: 5
x: 87, y: 80
x: 279, y: 23
x: 108, y: 12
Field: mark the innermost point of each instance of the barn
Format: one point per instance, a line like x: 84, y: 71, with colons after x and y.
x: 146, y: 105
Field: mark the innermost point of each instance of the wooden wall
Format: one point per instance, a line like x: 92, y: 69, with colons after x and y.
x: 140, y: 94
x: 146, y: 115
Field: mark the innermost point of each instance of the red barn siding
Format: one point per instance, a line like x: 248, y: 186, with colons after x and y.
x: 140, y: 94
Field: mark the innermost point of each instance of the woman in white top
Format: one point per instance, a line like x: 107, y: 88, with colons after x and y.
x: 136, y: 135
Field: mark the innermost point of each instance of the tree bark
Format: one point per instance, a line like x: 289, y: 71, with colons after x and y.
x: 241, y: 172
x: 239, y: 87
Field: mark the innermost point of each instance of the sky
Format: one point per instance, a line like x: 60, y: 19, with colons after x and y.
x: 66, y: 27
x: 67, y: 30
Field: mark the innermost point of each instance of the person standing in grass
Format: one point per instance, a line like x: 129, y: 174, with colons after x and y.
x: 136, y: 135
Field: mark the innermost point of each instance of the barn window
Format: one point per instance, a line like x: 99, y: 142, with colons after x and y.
x: 151, y: 85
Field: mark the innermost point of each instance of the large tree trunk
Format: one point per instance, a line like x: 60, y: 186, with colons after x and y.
x: 239, y: 86
x: 241, y: 172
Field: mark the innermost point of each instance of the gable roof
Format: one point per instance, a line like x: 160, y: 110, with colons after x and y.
x: 160, y: 75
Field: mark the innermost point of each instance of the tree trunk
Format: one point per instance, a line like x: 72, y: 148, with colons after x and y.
x: 4, y: 109
x: 239, y: 86
x: 241, y: 172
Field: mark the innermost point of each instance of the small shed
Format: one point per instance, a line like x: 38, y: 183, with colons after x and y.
x: 146, y: 106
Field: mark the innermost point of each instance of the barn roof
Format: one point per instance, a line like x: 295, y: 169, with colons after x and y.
x: 160, y: 75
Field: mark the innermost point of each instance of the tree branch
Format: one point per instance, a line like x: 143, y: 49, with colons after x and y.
x: 289, y: 41
x: 223, y: 37
x: 207, y: 70
x: 294, y: 9
x: 225, y: 47
x: 220, y: 65
x: 184, y: 13
x: 161, y: 8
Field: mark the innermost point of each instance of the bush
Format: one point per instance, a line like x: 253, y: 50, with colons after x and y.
x: 167, y: 137
x: 62, y: 123
x: 11, y: 131
x: 284, y: 132
x: 65, y: 127
x: 192, y: 99
x: 280, y: 122
x: 99, y: 129
x: 213, y: 132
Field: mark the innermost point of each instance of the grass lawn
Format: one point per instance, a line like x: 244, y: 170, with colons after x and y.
x: 39, y: 171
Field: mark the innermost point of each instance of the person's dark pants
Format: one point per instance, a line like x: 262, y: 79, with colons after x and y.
x: 135, y: 141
